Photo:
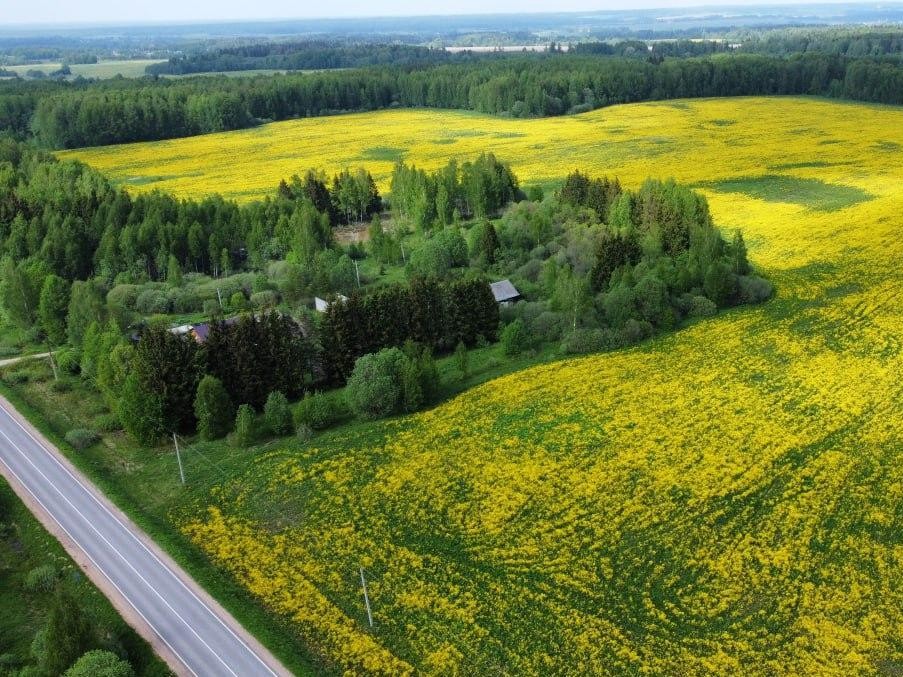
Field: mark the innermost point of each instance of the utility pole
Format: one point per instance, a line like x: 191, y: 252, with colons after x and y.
x: 220, y: 297
x: 366, y: 598
x: 175, y: 441
x: 56, y: 376
x: 357, y: 273
x: 403, y: 260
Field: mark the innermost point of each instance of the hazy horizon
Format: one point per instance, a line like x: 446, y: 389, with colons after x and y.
x: 104, y: 12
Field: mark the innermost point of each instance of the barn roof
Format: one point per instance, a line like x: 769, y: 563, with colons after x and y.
x: 503, y: 290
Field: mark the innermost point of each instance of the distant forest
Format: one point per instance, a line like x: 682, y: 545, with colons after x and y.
x: 71, y: 115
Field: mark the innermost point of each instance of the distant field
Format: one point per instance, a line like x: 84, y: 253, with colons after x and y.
x: 103, y: 69
x: 250, y: 163
x: 726, y: 500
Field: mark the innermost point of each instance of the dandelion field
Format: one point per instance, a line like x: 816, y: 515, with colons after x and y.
x: 727, y: 499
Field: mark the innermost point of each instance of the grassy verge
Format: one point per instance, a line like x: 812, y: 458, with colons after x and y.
x: 26, y: 545
x: 142, y: 484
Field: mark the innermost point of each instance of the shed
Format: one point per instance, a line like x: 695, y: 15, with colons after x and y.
x: 504, y: 292
x: 322, y: 305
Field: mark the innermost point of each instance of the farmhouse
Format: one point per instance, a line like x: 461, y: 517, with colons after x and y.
x: 505, y: 292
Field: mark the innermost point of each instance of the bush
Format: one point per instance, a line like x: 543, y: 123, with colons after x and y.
x: 514, y: 338
x: 548, y: 326
x: 277, y: 414
x: 375, y: 388
x: 68, y: 361
x: 317, y: 411
x: 81, y: 439
x: 100, y: 663
x: 108, y: 423
x: 245, y: 428
x: 238, y: 302
x: 753, y: 289
x: 213, y: 409
x: 184, y: 300
x: 212, y: 308
x: 412, y: 390
x: 462, y: 359
x: 16, y: 377
x: 702, y: 306
x: 153, y: 302
x: 304, y: 433
x: 583, y: 341
x: 264, y: 299
x: 635, y: 331
x: 42, y: 578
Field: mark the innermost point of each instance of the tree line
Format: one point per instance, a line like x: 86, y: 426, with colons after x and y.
x: 68, y: 115
x: 308, y: 55
x: 437, y: 315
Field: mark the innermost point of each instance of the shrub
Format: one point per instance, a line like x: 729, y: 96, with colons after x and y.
x: 184, y: 300
x: 702, y: 306
x: 583, y: 341
x: 68, y: 360
x: 462, y: 359
x: 124, y: 296
x: 304, y: 433
x: 81, y: 439
x: 412, y: 390
x: 238, y: 301
x: 212, y: 308
x: 514, y: 338
x: 213, y: 408
x: 245, y: 428
x: 41, y: 579
x: 277, y: 414
x: 100, y: 663
x: 375, y: 388
x: 16, y: 377
x: 317, y: 411
x: 264, y: 299
x: 153, y: 302
x: 108, y: 423
x: 548, y: 326
x: 635, y: 331
x: 753, y: 289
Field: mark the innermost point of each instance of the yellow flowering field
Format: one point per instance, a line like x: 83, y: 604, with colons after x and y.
x: 724, y: 500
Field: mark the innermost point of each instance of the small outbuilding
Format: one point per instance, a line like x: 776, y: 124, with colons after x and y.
x: 322, y: 305
x: 505, y: 293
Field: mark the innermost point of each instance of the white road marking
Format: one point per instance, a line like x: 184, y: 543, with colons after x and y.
x: 138, y: 540
x: 97, y: 566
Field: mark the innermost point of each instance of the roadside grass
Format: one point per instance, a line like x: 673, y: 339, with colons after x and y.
x: 144, y: 483
x: 25, y: 545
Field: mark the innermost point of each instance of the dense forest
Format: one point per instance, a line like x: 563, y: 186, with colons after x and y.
x: 309, y: 55
x: 68, y: 115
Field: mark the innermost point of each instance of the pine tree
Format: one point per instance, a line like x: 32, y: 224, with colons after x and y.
x: 52, y: 309
x: 213, y: 409
x: 277, y: 414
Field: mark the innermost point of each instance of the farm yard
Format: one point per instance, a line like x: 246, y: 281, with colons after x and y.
x: 723, y: 500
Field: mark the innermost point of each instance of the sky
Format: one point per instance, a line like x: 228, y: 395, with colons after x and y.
x: 141, y: 11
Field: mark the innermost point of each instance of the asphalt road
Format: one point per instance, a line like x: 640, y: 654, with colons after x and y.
x: 191, y: 632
